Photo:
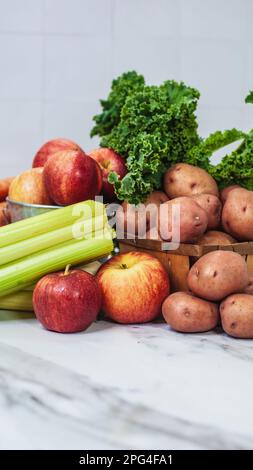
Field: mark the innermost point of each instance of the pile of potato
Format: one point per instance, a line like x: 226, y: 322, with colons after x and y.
x: 220, y: 287
x: 207, y: 217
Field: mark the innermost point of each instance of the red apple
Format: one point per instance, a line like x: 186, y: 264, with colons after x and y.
x: 67, y: 302
x: 134, y: 286
x: 72, y: 176
x: 51, y: 148
x: 29, y: 187
x: 109, y: 161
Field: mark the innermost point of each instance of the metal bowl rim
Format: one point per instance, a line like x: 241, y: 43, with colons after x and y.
x: 36, y: 206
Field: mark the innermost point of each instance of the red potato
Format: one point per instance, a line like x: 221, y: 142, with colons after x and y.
x: 249, y: 288
x: 214, y: 237
x: 135, y: 220
x: 226, y: 191
x: 237, y: 214
x: 213, y: 207
x: 153, y: 234
x: 188, y: 314
x: 193, y: 220
x: 4, y: 188
x: 153, y: 204
x: 183, y: 179
x: 218, y: 274
x: 131, y: 220
x: 157, y: 198
x: 237, y: 315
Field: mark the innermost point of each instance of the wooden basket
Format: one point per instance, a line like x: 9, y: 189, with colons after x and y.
x: 178, y: 262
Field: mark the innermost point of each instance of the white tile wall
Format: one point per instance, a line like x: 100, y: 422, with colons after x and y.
x: 144, y: 18
x: 71, y: 120
x: 58, y: 57
x: 20, y: 133
x: 213, y: 19
x: 216, y: 68
x: 156, y: 58
x: 78, y: 17
x: 21, y: 16
x: 77, y: 67
x: 21, y: 67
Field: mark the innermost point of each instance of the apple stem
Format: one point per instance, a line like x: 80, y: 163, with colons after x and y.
x: 66, y: 272
x: 124, y: 266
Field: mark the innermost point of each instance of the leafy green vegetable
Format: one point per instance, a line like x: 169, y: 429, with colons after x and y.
x: 122, y: 87
x: 237, y: 167
x: 154, y: 127
x: 157, y: 127
x: 200, y: 155
x: 249, y: 98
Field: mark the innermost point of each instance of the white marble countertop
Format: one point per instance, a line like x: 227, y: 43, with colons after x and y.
x: 123, y: 387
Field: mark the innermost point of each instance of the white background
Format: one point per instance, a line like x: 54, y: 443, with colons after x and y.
x: 58, y: 57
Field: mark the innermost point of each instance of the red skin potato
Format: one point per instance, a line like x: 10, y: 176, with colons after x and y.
x: 249, y: 288
x: 215, y: 237
x: 218, y: 274
x: 183, y: 179
x: 72, y: 177
x: 193, y: 219
x: 213, y: 207
x: 128, y: 219
x: 109, y: 161
x: 237, y: 214
x: 153, y: 234
x: 225, y: 192
x: 134, y: 286
x: 189, y: 314
x: 67, y: 303
x: 52, y: 147
x: 236, y: 313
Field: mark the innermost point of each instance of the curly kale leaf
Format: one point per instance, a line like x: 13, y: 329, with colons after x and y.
x: 237, y: 167
x: 200, y: 155
x: 157, y: 128
x: 249, y: 98
x: 122, y: 87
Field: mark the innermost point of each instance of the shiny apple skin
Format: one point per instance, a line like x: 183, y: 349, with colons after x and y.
x: 134, y: 286
x: 52, y: 147
x: 29, y: 187
x: 109, y: 161
x: 67, y: 303
x: 71, y: 177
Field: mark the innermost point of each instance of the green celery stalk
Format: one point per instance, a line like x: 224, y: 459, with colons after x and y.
x: 27, y: 247
x: 20, y: 301
x: 91, y: 268
x: 20, y: 274
x: 52, y: 220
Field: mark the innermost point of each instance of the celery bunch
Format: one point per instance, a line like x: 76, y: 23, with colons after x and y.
x: 31, y: 248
